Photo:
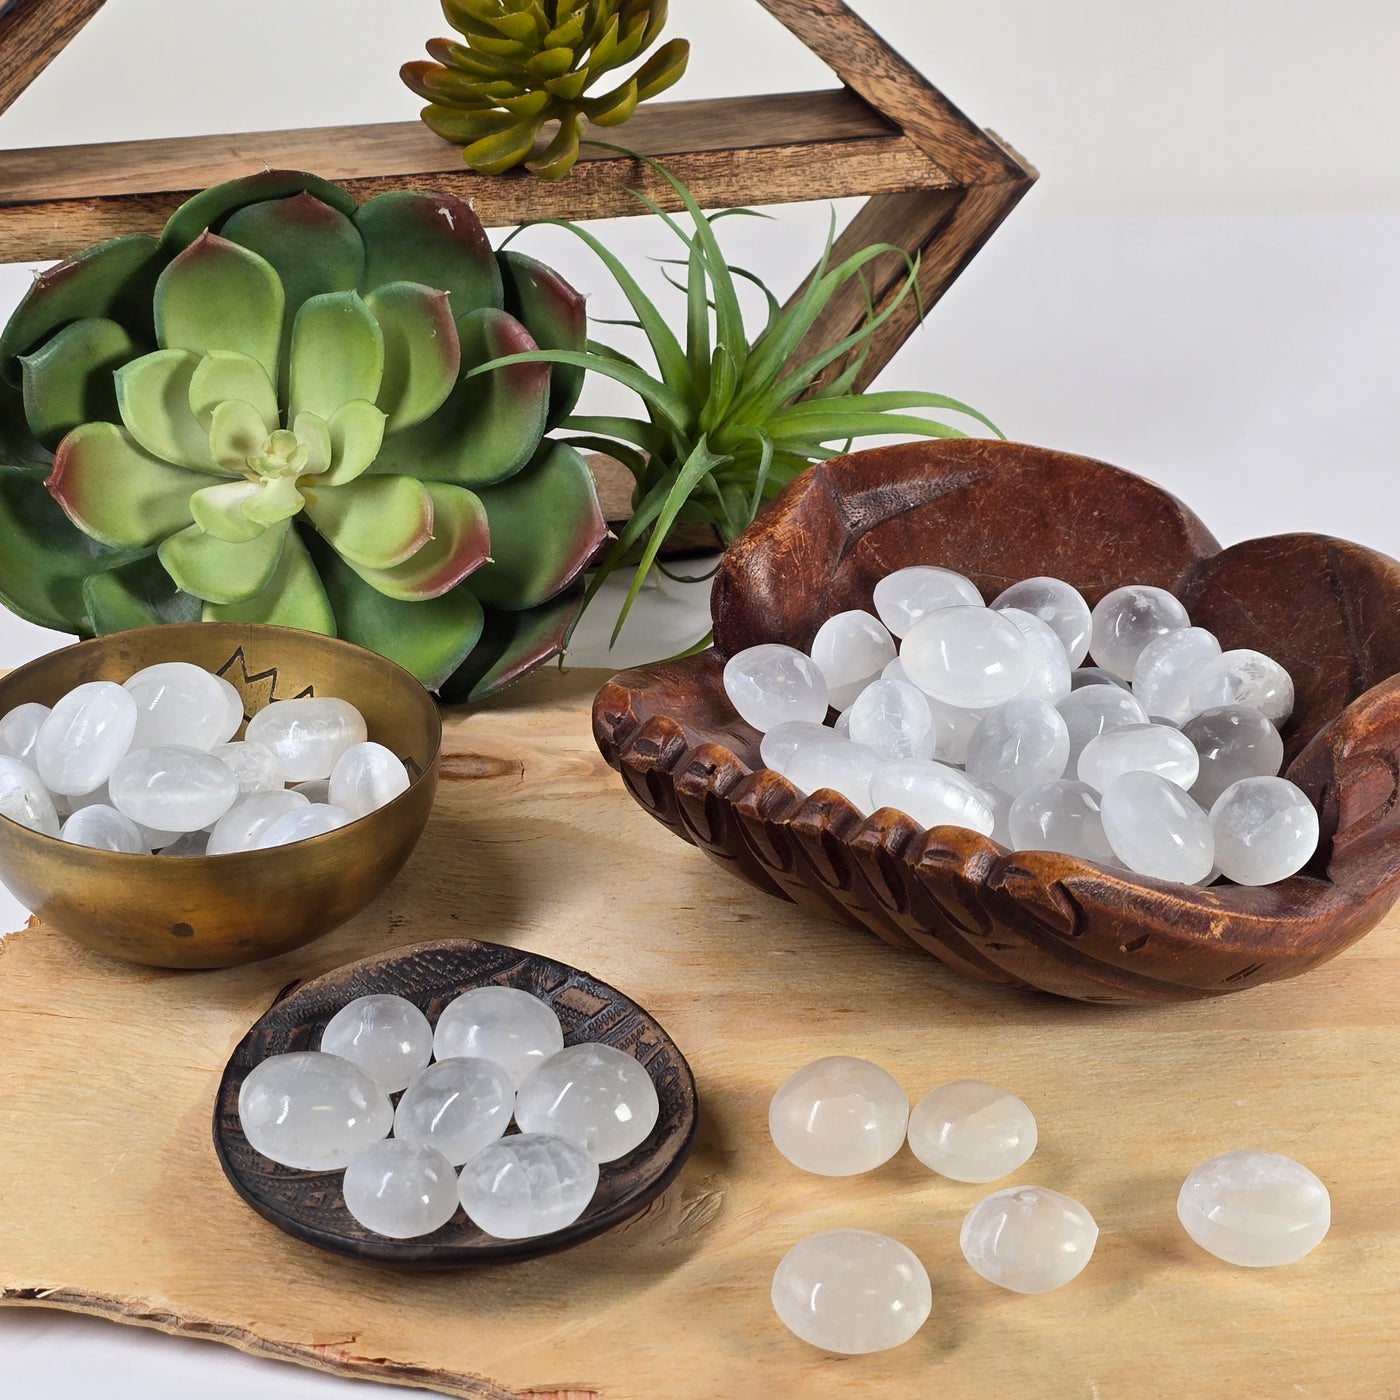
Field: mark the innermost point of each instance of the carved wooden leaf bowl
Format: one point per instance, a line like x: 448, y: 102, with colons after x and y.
x: 999, y: 512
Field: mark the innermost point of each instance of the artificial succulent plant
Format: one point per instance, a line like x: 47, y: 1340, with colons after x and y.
x: 528, y: 63
x: 268, y: 414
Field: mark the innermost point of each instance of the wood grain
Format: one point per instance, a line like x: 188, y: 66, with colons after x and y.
x: 32, y: 34
x: 111, y: 1201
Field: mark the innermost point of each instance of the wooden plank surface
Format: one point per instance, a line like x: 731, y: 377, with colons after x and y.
x: 32, y: 34
x: 111, y: 1201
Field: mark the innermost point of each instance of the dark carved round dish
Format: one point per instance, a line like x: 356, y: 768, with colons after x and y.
x: 309, y: 1205
x: 998, y: 512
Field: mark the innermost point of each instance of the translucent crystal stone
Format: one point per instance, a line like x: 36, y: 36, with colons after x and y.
x: 1095, y: 675
x: 19, y: 731
x: 1254, y: 1208
x: 780, y: 743
x: 970, y: 657
x: 253, y: 764
x: 838, y: 1116
x: 903, y: 597
x: 932, y: 794
x: 387, y: 1036
x: 1049, y: 678
x: 851, y: 649
x: 1265, y: 830
x: 503, y: 1024
x: 842, y: 723
x: 1126, y: 620
x: 241, y: 826
x: 1233, y: 742
x: 527, y: 1184
x: 1092, y: 711
x: 192, y: 843
x: 1138, y: 748
x: 1056, y: 603
x: 24, y: 799
x: 892, y: 718
x: 1019, y: 745
x: 312, y: 1111
x: 156, y: 839
x: 852, y: 1291
x: 770, y: 684
x: 308, y: 735
x: 301, y: 824
x: 367, y: 777
x: 457, y: 1106
x: 837, y: 764
x: 1243, y: 677
x: 593, y: 1095
x: 233, y: 710
x: 1001, y: 816
x: 317, y: 791
x: 104, y: 829
x: 1028, y: 1239
x: 1061, y: 816
x: 1164, y: 670
x: 400, y: 1189
x: 971, y: 1131
x: 178, y: 704
x: 172, y: 789
x: 1157, y: 829
x: 84, y: 737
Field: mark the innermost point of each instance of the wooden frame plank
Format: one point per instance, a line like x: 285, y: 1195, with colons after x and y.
x: 32, y: 34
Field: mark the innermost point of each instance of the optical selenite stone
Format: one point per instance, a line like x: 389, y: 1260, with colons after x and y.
x: 253, y: 764
x: 1232, y: 742
x: 839, y: 765
x: 19, y: 731
x: 312, y: 1111
x: 84, y: 737
x: 400, y: 1189
x: 1019, y: 745
x: 1138, y: 748
x: 387, y: 1036
x: 457, y: 1106
x: 851, y: 649
x: 1092, y: 711
x: 838, y: 1116
x: 780, y: 743
x: 1258, y: 1209
x: 892, y: 718
x: 367, y: 777
x: 104, y: 828
x: 526, y: 1185
x: 903, y: 597
x: 316, y: 819
x: 233, y: 711
x: 1126, y: 620
x: 1049, y: 678
x: 1156, y: 829
x: 1001, y: 816
x: 770, y: 684
x: 241, y: 826
x: 172, y: 789
x: 1061, y: 816
x: 24, y: 799
x: 1056, y: 603
x: 505, y: 1025
x: 933, y: 794
x: 852, y: 1292
x: 178, y: 704
x: 593, y: 1095
x: 1244, y: 677
x: 1028, y: 1239
x: 970, y: 657
x: 308, y: 735
x: 1095, y: 675
x: 971, y: 1131
x: 842, y: 724
x: 1165, y: 669
x: 1265, y: 830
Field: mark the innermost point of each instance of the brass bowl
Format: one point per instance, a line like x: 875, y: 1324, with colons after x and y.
x: 219, y: 911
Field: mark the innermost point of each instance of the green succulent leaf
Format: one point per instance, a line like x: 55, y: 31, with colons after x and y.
x: 153, y: 394
x: 422, y: 355
x: 276, y: 500
x: 464, y: 127
x: 494, y: 155
x: 356, y: 430
x: 218, y: 511
x: 459, y: 545
x: 140, y: 594
x: 559, y: 156
x: 226, y: 374
x: 237, y: 433
x: 68, y: 379
x: 312, y: 431
x: 512, y: 644
x: 615, y: 107
x: 208, y: 209
x: 570, y: 87
x: 337, y: 354
x: 664, y: 69
x: 19, y: 447
x: 293, y: 597
x: 222, y: 571
x: 554, y: 315
x: 376, y: 522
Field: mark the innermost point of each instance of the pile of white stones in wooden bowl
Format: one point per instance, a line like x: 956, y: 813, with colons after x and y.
x: 1162, y: 757
x: 148, y: 766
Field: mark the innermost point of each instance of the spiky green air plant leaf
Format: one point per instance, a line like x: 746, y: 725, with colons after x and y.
x: 270, y: 415
x: 518, y: 89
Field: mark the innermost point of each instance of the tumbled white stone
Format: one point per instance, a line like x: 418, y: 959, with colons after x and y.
x: 771, y: 684
x: 308, y: 735
x: 1243, y: 677
x: 594, y: 1095
x: 311, y: 1110
x: 780, y: 743
x: 84, y: 737
x: 1265, y: 830
x: 1165, y: 669
x: 104, y: 828
x: 836, y: 764
x: 19, y: 731
x: 970, y: 657
x: 157, y: 839
x: 317, y: 791
x: 302, y: 824
x: 903, y: 597
x: 932, y: 794
x: 1056, y: 603
x: 852, y: 1292
x: 253, y: 764
x: 1138, y: 748
x: 851, y: 649
x: 503, y: 1024
x: 457, y: 1106
x: 241, y: 826
x: 1124, y: 621
x: 172, y: 789
x: 387, y: 1036
x: 1232, y: 742
x: 1028, y: 1239
x: 1095, y: 675
x: 400, y: 1189
x: 842, y: 723
x: 1258, y: 1209
x: 893, y: 719
x: 971, y: 1131
x: 179, y: 704
x: 838, y: 1116
x: 1019, y: 745
x: 526, y: 1185
x: 233, y: 710
x: 1049, y: 678
x: 1156, y: 829
x: 1092, y: 711
x: 24, y: 799
x: 1001, y: 816
x: 1061, y: 816
x: 367, y: 777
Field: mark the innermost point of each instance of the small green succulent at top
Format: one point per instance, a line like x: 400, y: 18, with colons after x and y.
x: 268, y: 415
x: 528, y: 63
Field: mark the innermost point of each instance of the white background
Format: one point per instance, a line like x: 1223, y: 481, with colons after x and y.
x: 1204, y: 288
